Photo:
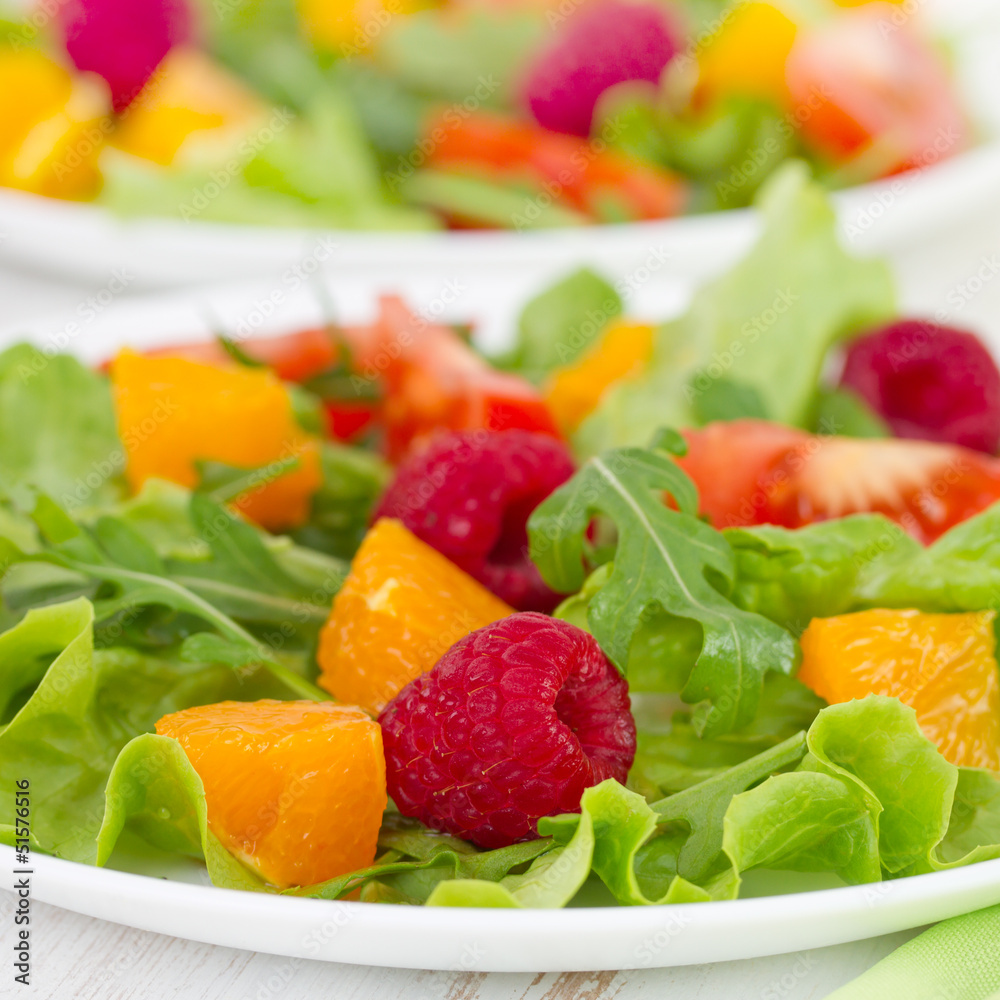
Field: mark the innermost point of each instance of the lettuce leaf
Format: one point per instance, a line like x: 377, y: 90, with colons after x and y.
x: 71, y: 709
x: 671, y: 758
x: 57, y: 429
x: 666, y: 560
x: 765, y: 326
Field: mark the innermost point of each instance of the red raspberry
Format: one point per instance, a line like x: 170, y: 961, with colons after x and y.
x: 929, y: 382
x: 469, y: 496
x: 122, y: 40
x: 604, y: 44
x: 512, y: 724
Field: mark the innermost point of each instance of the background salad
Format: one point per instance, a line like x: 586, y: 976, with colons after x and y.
x: 399, y: 115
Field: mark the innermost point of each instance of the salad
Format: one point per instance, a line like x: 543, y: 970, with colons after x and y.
x: 624, y: 617
x: 417, y: 114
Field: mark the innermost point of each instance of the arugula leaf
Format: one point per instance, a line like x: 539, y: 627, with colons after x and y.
x: 558, y: 325
x: 353, y: 481
x: 57, y: 429
x: 137, y: 579
x: 76, y: 707
x: 666, y: 560
x: 766, y: 325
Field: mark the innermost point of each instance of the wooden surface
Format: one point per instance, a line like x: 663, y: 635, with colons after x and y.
x: 79, y: 958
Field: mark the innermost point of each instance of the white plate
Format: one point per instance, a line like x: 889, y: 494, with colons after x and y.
x: 86, y: 244
x: 482, y: 940
x: 572, y: 940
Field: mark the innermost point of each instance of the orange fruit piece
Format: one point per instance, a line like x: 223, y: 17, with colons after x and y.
x: 942, y: 666
x: 747, y: 54
x: 575, y: 390
x: 172, y: 412
x: 294, y: 789
x: 54, y: 125
x: 190, y: 109
x: 402, y: 607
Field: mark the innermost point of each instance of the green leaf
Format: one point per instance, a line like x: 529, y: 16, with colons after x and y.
x: 155, y: 793
x: 667, y: 560
x: 353, y: 480
x: 79, y: 707
x: 725, y: 399
x: 843, y: 412
x: 558, y: 325
x: 671, y: 758
x: 873, y: 794
x: 767, y: 324
x: 57, y: 429
x: 818, y: 571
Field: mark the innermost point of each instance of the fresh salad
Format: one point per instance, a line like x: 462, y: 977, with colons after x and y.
x: 627, y: 617
x: 417, y: 114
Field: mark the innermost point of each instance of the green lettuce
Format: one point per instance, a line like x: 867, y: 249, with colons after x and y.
x: 57, y: 429
x: 765, y: 327
x: 69, y: 710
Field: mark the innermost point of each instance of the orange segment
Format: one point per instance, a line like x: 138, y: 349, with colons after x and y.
x: 575, y: 390
x: 173, y: 412
x: 942, y: 666
x: 54, y: 126
x: 294, y: 789
x: 190, y: 107
x: 747, y: 54
x: 401, y: 608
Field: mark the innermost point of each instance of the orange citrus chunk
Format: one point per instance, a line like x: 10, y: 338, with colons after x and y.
x: 189, y: 103
x: 402, y: 607
x: 172, y: 412
x: 575, y: 390
x: 294, y: 789
x: 54, y: 126
x: 746, y: 55
x: 942, y: 666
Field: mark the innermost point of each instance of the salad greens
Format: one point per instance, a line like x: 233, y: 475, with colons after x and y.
x: 753, y: 342
x: 665, y: 559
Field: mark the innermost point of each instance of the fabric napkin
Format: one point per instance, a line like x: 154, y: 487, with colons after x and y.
x: 958, y: 959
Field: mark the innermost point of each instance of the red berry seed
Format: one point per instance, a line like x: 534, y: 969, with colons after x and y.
x: 514, y: 722
x: 929, y: 382
x: 469, y: 496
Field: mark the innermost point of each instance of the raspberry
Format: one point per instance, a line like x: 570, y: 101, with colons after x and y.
x: 605, y: 44
x: 929, y: 382
x: 469, y: 496
x: 512, y: 724
x: 123, y: 40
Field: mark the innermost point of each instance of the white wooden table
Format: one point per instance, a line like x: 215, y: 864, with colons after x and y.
x: 79, y: 958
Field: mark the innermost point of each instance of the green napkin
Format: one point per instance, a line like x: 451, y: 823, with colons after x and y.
x: 958, y: 959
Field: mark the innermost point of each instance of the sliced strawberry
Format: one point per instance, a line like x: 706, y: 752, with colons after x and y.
x: 924, y: 487
x: 729, y: 462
